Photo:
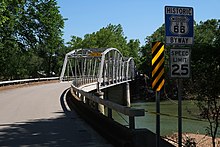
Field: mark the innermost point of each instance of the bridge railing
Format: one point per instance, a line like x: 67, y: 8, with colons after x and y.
x: 12, y: 82
x: 114, y: 68
x: 83, y: 96
x: 79, y: 81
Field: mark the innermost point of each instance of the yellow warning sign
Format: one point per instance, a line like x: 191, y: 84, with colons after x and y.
x: 157, y: 66
x: 95, y: 54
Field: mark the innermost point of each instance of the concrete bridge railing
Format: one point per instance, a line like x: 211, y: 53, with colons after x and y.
x: 13, y: 82
x: 97, y: 97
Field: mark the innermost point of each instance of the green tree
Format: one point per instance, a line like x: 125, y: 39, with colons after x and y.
x: 134, y: 49
x: 30, y: 37
x: 106, y: 37
x: 75, y: 43
x: 205, y: 77
x: 146, y: 52
x: 3, y: 7
x: 158, y: 35
x: 46, y: 23
x: 9, y: 47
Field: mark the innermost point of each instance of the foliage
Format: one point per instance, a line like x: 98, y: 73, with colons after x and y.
x: 206, y: 87
x: 30, y: 37
x: 146, y: 58
x: 146, y: 62
x: 189, y: 142
x: 205, y: 49
x: 107, y: 37
x: 205, y: 64
x: 205, y: 78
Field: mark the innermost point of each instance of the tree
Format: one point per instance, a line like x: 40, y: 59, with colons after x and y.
x: 106, y: 37
x: 207, y: 90
x: 158, y: 35
x: 205, y: 78
x: 134, y: 49
x: 146, y: 60
x: 75, y: 42
x: 30, y: 37
x: 46, y: 23
x: 206, y: 40
x: 9, y: 47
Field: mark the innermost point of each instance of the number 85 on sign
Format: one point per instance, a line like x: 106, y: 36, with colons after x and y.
x: 180, y: 63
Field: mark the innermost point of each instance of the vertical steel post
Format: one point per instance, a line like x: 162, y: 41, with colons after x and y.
x: 180, y: 112
x: 128, y: 101
x: 158, y: 119
x: 101, y: 107
x: 131, y: 122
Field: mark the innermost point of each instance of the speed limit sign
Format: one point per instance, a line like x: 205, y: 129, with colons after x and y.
x: 179, y: 63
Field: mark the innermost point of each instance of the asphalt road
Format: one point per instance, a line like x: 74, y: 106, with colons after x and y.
x: 38, y: 116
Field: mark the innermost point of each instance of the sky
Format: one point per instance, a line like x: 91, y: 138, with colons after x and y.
x: 139, y: 18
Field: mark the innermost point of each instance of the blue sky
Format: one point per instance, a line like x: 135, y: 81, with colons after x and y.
x: 139, y: 18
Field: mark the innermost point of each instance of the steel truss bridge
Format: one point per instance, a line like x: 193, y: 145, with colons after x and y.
x: 92, y: 72
x: 98, y: 68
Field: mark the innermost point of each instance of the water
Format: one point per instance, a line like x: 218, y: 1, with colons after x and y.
x: 169, y: 124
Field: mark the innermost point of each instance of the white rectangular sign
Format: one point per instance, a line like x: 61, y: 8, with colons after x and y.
x: 180, y: 63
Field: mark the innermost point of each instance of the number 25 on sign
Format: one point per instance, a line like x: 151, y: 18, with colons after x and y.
x: 180, y: 63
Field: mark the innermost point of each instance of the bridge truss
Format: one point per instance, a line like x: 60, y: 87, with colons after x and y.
x: 106, y: 67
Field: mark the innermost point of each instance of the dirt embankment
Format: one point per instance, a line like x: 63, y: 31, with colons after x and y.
x: 199, y: 140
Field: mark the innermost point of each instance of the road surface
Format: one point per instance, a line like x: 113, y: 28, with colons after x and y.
x: 38, y: 116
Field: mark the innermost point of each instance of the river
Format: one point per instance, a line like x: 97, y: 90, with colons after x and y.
x: 169, y: 120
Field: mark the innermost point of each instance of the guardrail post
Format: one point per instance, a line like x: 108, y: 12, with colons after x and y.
x: 128, y: 94
x: 131, y: 122
x: 109, y: 113
x: 83, y: 99
x: 101, y: 107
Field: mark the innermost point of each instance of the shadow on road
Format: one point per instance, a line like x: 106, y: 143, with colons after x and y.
x: 65, y: 130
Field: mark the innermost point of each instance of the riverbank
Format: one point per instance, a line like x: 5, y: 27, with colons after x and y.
x: 199, y: 139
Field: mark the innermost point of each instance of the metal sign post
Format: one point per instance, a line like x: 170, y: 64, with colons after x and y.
x: 157, y: 80
x: 158, y: 118
x: 180, y: 112
x: 179, y: 68
x: 179, y: 31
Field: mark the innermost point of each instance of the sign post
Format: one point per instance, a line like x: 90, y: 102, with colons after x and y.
x: 179, y: 32
x: 157, y: 80
x: 180, y: 68
x: 180, y: 112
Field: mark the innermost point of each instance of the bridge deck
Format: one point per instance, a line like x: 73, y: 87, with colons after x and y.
x: 38, y: 116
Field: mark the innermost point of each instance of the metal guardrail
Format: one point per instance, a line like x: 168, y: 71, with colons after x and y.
x: 4, y: 83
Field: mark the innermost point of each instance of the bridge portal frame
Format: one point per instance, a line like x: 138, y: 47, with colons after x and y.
x: 106, y: 67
